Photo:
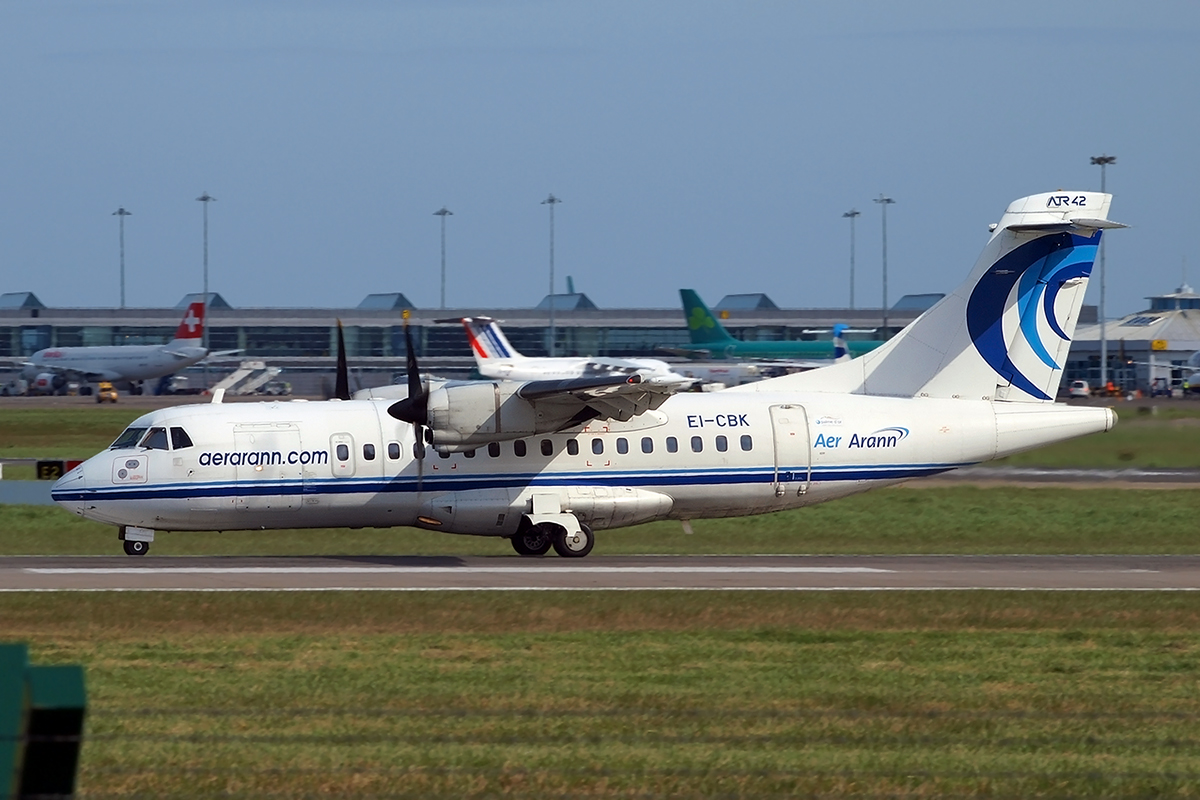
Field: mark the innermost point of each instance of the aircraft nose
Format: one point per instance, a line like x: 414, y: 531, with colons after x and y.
x: 68, y: 491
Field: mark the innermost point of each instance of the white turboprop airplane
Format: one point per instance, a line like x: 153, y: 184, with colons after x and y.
x: 970, y: 380
x: 50, y: 368
x: 497, y: 358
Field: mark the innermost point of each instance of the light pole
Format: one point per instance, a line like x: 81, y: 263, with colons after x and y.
x: 884, y: 202
x: 443, y: 212
x: 121, y: 214
x: 205, y: 199
x: 852, y: 213
x: 1102, y: 162
x: 551, y: 201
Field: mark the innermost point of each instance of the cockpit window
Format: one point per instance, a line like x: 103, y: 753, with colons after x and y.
x: 127, y: 439
x: 180, y: 439
x: 156, y: 439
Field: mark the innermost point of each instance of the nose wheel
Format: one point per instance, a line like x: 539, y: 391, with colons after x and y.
x: 133, y: 548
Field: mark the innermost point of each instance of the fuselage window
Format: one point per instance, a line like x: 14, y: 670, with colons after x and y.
x: 747, y: 442
x: 598, y: 446
x: 443, y: 454
x: 368, y: 452
x: 180, y: 439
x: 469, y: 454
x: 343, y: 452
x: 722, y: 444
x: 647, y: 444
x: 572, y: 447
x: 494, y: 449
x: 418, y: 450
x: 547, y: 447
x: 393, y: 450
x: 697, y: 444
x: 519, y: 448
x: 128, y: 439
x: 672, y: 444
x: 622, y: 445
x: 156, y: 439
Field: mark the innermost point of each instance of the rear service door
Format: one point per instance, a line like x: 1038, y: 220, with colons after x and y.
x: 793, y: 463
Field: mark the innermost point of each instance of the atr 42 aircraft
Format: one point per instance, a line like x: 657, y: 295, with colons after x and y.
x: 711, y: 340
x: 497, y: 358
x: 51, y: 368
x: 972, y: 379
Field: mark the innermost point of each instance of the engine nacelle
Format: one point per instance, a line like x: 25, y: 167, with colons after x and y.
x: 48, y: 383
x: 463, y: 416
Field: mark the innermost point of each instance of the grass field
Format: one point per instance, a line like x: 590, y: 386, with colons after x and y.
x: 1169, y: 438
x: 741, y: 694
x: 954, y: 519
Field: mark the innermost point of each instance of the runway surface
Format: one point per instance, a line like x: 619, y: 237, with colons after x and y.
x: 615, y: 573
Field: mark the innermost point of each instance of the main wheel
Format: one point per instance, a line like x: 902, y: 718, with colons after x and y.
x: 533, y: 541
x: 574, y: 545
x: 133, y: 548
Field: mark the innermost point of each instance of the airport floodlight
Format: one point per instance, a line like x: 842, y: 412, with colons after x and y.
x: 852, y: 214
x: 1102, y: 162
x: 884, y: 201
x: 205, y: 198
x: 551, y: 201
x: 121, y: 214
x: 443, y: 212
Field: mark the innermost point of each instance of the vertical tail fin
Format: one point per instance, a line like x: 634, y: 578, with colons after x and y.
x: 702, y: 325
x: 191, y: 327
x: 1004, y: 333
x: 841, y: 351
x: 487, y: 340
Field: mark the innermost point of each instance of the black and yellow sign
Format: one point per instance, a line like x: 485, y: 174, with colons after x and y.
x: 50, y: 470
x: 1158, y: 344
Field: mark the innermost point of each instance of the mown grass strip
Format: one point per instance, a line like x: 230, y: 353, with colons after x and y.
x: 601, y: 695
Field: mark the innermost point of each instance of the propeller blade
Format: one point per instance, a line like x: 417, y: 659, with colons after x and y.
x: 341, y: 389
x: 415, y: 407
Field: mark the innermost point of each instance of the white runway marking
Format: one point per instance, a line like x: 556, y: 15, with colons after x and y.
x: 540, y: 570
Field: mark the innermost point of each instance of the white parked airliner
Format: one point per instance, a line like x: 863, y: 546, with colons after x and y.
x: 497, y: 358
x: 970, y: 380
x: 53, y: 366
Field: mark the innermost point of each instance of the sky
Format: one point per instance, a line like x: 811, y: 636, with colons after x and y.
x: 700, y: 144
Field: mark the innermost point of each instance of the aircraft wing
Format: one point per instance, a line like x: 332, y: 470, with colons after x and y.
x: 75, y: 374
x: 619, y: 397
x: 685, y: 352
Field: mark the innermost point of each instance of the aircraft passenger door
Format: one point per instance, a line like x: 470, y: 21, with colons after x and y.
x: 793, y: 453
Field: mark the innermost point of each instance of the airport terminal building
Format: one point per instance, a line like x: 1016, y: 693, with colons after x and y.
x: 303, y: 341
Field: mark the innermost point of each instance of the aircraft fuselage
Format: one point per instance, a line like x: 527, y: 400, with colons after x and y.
x: 349, y: 464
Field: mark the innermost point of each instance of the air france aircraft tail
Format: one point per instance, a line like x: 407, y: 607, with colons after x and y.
x: 841, y: 351
x: 487, y: 340
x: 1004, y: 333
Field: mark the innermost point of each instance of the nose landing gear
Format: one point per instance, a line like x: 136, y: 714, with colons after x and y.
x: 133, y: 548
x: 136, y: 540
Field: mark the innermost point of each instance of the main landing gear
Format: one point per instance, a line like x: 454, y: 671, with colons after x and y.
x: 536, y: 540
